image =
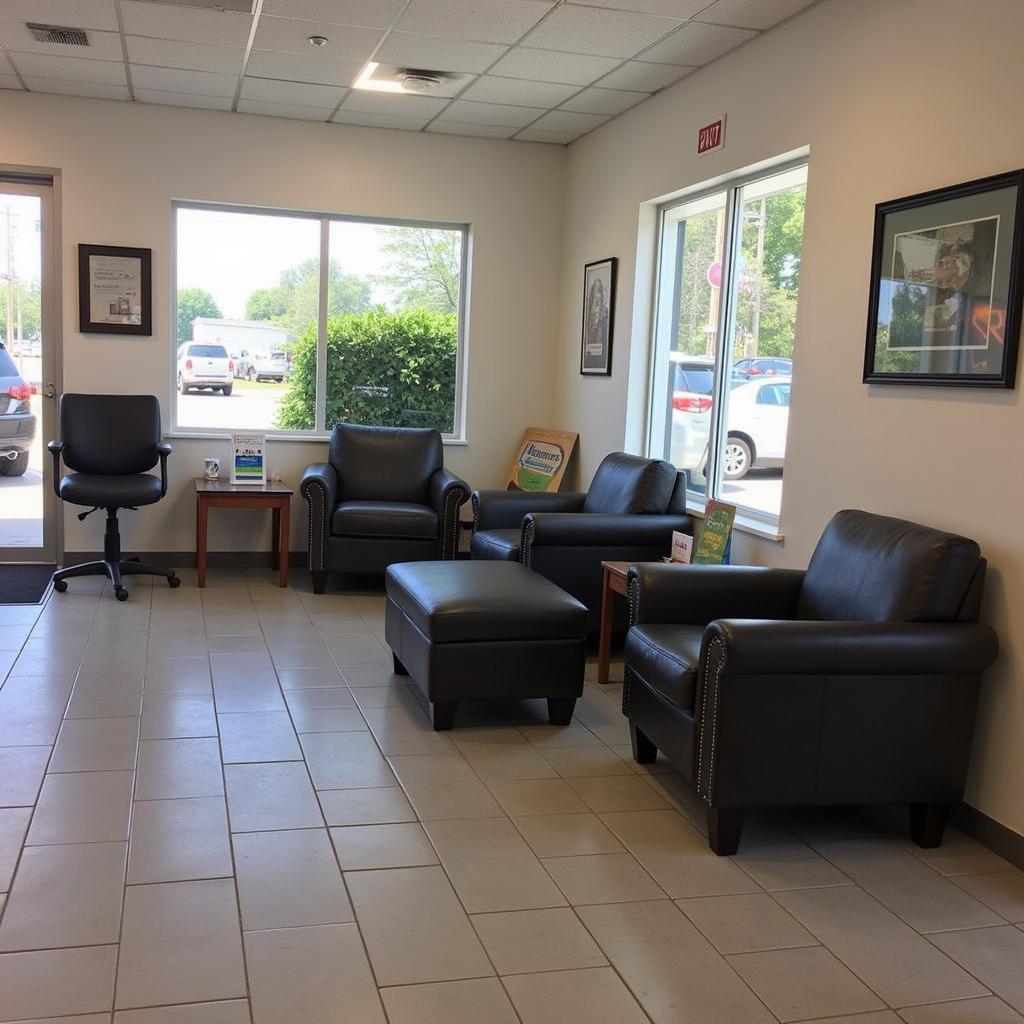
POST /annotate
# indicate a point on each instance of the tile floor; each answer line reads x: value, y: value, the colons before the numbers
x: 220, y: 807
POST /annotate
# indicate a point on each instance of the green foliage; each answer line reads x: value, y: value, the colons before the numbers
x: 192, y: 303
x: 383, y: 369
x: 26, y: 297
x: 424, y: 271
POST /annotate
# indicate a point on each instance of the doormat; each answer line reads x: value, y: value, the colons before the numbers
x: 24, y: 584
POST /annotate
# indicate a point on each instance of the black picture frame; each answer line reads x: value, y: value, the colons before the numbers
x: 596, y: 337
x: 141, y: 278
x: 991, y: 259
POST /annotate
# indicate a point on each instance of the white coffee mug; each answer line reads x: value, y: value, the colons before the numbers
x: 211, y: 468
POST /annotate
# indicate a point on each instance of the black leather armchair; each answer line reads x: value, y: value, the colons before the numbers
x: 628, y: 515
x: 384, y: 496
x: 853, y: 682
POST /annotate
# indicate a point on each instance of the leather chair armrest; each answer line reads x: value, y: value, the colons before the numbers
x: 761, y: 647
x: 697, y: 594
x: 598, y: 529
x: 504, y: 510
x: 56, y: 448
x: 448, y: 493
x: 319, y: 486
x: 163, y: 449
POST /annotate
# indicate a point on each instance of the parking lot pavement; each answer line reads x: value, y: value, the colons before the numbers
x: 760, y: 489
x: 21, y: 498
x: 248, y: 407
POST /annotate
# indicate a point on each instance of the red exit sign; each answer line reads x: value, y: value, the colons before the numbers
x: 711, y: 136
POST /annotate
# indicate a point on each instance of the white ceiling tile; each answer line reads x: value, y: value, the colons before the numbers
x: 43, y: 65
x: 568, y: 121
x: 292, y: 67
x: 169, y: 53
x: 368, y: 13
x: 63, y: 87
x: 395, y: 104
x: 451, y: 84
x: 548, y: 66
x: 412, y: 51
x: 183, y: 99
x: 538, y: 135
x: 298, y: 94
x: 682, y: 9
x: 292, y: 110
x: 642, y: 77
x: 518, y: 91
x: 696, y: 44
x: 752, y: 13
x: 363, y: 119
x: 489, y: 21
x: 480, y: 131
x: 288, y: 36
x: 597, y: 31
x: 9, y: 82
x: 469, y: 112
x: 102, y: 45
x: 604, y: 101
x: 75, y: 13
x: 171, y: 21
x: 202, y: 83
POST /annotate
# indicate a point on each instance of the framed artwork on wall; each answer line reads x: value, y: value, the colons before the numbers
x: 598, y: 317
x: 946, y: 286
x: 115, y: 290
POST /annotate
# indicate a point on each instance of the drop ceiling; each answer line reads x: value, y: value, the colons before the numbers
x: 533, y: 70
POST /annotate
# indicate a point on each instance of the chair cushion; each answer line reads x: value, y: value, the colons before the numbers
x: 384, y: 519
x: 667, y: 657
x: 385, y: 463
x: 627, y: 484
x: 873, y: 568
x: 500, y: 545
x: 453, y: 602
x: 110, y: 491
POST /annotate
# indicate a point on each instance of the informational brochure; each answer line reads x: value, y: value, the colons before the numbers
x: 541, y: 460
x: 715, y: 537
x: 249, y: 459
x: 682, y: 547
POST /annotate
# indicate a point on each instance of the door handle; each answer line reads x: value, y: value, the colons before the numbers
x: 49, y: 391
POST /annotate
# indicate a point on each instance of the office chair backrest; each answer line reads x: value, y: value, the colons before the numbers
x: 110, y: 434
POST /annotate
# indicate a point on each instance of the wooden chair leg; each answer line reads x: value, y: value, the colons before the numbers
x: 928, y: 823
x: 644, y: 751
x: 725, y: 826
x: 319, y: 581
x: 443, y: 712
x: 560, y: 710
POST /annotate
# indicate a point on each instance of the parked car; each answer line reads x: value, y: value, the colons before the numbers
x: 763, y: 366
x: 758, y: 421
x: 693, y: 384
x: 17, y: 421
x: 203, y: 365
x: 261, y: 366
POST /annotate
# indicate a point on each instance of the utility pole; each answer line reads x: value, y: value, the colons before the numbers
x: 8, y: 236
x: 755, y: 326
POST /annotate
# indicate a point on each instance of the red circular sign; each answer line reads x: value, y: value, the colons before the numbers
x: 715, y: 275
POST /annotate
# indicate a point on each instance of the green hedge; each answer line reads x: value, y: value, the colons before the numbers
x: 383, y: 369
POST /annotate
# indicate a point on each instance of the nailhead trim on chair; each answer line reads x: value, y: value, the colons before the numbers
x: 453, y: 501
x: 476, y: 511
x: 714, y: 663
x: 317, y: 519
x: 526, y: 542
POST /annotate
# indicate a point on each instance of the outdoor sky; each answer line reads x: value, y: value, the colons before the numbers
x: 26, y: 212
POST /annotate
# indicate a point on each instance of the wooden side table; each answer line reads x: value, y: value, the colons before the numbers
x: 222, y: 494
x: 615, y: 574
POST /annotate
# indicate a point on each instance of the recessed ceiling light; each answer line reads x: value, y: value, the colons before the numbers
x: 318, y: 40
x: 365, y: 80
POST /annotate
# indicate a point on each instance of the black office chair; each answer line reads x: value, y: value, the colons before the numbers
x: 109, y: 442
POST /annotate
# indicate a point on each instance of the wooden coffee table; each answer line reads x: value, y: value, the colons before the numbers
x: 222, y: 494
x: 615, y: 574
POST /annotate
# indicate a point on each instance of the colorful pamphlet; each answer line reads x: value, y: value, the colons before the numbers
x: 541, y: 460
x: 715, y: 537
x: 249, y: 459
x: 682, y: 547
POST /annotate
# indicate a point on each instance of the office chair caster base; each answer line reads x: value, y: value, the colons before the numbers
x: 121, y: 593
x: 173, y: 581
x: 60, y: 586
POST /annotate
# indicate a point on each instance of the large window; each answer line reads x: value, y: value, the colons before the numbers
x: 293, y: 322
x: 729, y: 276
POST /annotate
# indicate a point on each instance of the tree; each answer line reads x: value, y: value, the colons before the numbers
x: 192, y: 303
x: 28, y: 302
x: 425, y: 270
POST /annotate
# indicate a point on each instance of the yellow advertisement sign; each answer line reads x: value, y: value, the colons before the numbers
x: 541, y: 460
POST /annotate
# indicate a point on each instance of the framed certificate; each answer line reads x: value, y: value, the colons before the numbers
x: 115, y: 290
x: 249, y: 459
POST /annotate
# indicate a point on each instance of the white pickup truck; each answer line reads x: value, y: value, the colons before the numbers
x: 261, y: 365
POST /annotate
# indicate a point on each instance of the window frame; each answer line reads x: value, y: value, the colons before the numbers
x: 749, y: 519
x: 320, y: 431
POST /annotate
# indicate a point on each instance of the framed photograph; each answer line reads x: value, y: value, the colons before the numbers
x: 115, y: 290
x: 598, y: 317
x: 945, y: 299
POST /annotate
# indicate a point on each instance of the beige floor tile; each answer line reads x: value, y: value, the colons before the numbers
x: 1002, y: 891
x: 301, y: 975
x: 180, y: 943
x: 527, y: 941
x: 278, y: 795
x: 178, y: 675
x: 320, y: 698
x: 986, y: 1010
x: 308, y: 655
x: 745, y: 924
x: 371, y: 675
x: 675, y: 971
x: 307, y: 678
x: 233, y: 644
x: 96, y: 745
x: 993, y: 955
x: 898, y: 964
x: 491, y: 866
x: 585, y: 762
x: 88, y: 1018
x: 230, y: 1011
x: 357, y: 653
x: 361, y: 847
x: 414, y: 927
x: 179, y: 840
x: 878, y: 1017
x: 797, y: 984
x: 541, y: 733
x: 397, y: 738
x: 450, y: 1002
x: 106, y: 697
x: 595, y: 995
x: 30, y: 715
x: 328, y: 720
x: 258, y: 736
x: 235, y: 693
x: 13, y: 825
x: 958, y: 855
x: 618, y: 793
x: 396, y: 694
x: 84, y: 807
x: 907, y: 886
x: 345, y: 760
x: 380, y: 806
x: 178, y: 769
x: 65, y: 896
x: 788, y: 866
x: 443, y: 786
x: 57, y: 982
x: 289, y: 879
x: 604, y: 878
x: 536, y: 796
x: 505, y: 760
x: 21, y: 774
x: 566, y: 835
x: 167, y: 716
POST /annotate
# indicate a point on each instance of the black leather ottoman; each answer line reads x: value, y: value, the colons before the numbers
x: 485, y: 631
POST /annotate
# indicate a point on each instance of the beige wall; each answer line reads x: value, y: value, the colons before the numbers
x: 121, y: 165
x: 893, y: 97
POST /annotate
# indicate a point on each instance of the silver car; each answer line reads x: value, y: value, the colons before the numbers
x: 205, y: 365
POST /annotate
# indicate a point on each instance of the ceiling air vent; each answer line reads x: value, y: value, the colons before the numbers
x: 58, y: 34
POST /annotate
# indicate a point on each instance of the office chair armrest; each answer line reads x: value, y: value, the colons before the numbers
x: 163, y: 450
x: 56, y: 447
